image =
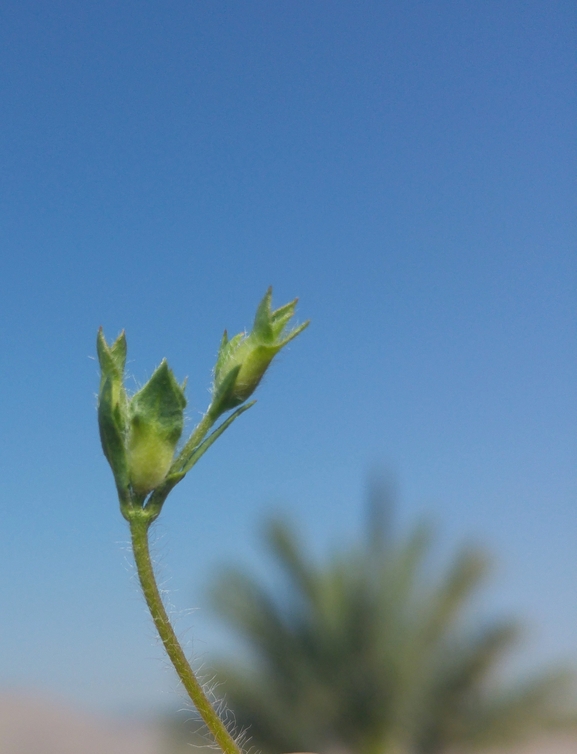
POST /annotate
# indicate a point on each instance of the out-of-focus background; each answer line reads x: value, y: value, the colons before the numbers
x: 382, y: 551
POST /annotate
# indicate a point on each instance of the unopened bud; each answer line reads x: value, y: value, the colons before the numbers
x: 155, y: 424
x: 243, y: 360
x: 112, y: 406
x: 139, y: 435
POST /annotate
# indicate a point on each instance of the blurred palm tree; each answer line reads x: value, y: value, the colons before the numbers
x: 367, y: 654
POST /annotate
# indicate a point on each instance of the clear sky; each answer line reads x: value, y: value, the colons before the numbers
x: 408, y: 170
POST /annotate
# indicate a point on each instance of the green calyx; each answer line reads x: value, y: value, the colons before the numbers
x: 156, y: 421
x: 243, y: 360
x: 139, y: 435
x: 112, y: 407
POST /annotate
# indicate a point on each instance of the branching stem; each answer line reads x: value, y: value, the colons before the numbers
x: 139, y: 526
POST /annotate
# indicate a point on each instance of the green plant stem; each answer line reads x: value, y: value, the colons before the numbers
x: 139, y: 526
x: 195, y: 439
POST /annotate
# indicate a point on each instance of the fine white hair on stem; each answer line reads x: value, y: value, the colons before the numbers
x: 207, y: 680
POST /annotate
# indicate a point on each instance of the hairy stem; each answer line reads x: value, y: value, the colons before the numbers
x: 139, y: 532
x: 195, y: 439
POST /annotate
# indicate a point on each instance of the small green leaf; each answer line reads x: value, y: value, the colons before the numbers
x: 201, y: 449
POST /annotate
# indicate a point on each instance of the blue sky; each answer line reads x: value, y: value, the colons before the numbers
x: 407, y: 170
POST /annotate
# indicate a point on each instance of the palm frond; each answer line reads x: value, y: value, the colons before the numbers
x: 368, y: 654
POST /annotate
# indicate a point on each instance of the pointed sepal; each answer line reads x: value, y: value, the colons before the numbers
x: 251, y: 354
x: 156, y: 420
x: 112, y: 406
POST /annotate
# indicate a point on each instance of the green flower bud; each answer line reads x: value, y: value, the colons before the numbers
x: 112, y: 406
x: 138, y: 435
x: 156, y: 420
x: 243, y: 360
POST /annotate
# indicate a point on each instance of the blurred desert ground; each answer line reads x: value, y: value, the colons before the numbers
x: 31, y: 723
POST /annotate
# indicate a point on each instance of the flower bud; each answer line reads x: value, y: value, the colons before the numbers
x: 112, y: 406
x: 243, y: 360
x: 156, y: 420
x: 138, y: 435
